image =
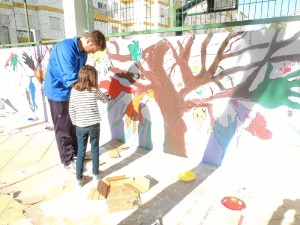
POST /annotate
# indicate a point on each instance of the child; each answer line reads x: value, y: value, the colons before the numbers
x: 85, y: 116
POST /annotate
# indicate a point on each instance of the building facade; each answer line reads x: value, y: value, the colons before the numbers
x: 45, y: 18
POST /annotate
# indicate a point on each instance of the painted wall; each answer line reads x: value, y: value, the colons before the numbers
x: 206, y: 96
x: 22, y: 72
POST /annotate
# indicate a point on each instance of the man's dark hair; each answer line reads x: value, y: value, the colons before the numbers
x: 98, y: 38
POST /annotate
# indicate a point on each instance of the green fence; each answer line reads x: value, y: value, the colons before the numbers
x: 24, y: 22
x: 201, y: 16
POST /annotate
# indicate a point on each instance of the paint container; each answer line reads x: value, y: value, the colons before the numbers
x: 33, y: 119
x: 235, y: 204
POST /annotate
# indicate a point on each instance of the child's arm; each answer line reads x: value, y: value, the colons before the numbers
x: 100, y: 96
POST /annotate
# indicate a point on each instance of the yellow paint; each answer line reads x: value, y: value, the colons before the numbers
x: 128, y: 24
x: 148, y: 24
x: 196, y: 66
x: 50, y: 9
x: 187, y: 176
x: 31, y: 7
x: 150, y: 93
x: 163, y: 3
x: 132, y: 110
x: 127, y: 1
x: 40, y: 74
x: 98, y: 56
x: 149, y: 1
x: 5, y: 6
x: 199, y: 114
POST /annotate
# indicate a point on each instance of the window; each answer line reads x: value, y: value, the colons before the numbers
x: 23, y: 21
x: 54, y: 23
x: 221, y: 5
x: 115, y: 6
x: 101, y: 5
x: 5, y: 20
x: 5, y: 35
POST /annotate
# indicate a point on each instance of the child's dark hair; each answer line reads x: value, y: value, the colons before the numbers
x: 87, y: 78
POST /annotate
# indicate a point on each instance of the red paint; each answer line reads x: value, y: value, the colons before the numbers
x: 233, y: 203
x: 114, y: 88
x: 258, y: 127
x: 234, y: 102
x: 287, y: 68
x: 8, y: 60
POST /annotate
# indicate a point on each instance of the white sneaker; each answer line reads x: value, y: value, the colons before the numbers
x: 80, y: 182
x: 71, y: 167
x: 95, y: 178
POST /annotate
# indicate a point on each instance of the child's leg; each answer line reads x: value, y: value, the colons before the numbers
x: 82, y: 139
x: 94, y: 140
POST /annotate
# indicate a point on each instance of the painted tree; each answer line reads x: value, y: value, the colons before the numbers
x: 269, y: 93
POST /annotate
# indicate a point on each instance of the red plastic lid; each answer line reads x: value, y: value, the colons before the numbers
x: 233, y: 203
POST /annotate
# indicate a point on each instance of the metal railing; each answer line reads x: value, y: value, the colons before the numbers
x: 199, y: 15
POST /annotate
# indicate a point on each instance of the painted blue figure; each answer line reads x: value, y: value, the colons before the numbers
x: 32, y: 90
x: 219, y: 140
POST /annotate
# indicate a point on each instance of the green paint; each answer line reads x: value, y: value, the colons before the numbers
x: 117, y: 123
x: 273, y: 93
x: 14, y: 62
x: 135, y: 50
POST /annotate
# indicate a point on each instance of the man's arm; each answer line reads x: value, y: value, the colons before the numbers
x: 67, y: 64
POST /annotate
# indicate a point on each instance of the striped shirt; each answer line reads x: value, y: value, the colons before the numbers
x: 83, y: 107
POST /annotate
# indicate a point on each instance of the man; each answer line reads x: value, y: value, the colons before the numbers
x: 66, y: 58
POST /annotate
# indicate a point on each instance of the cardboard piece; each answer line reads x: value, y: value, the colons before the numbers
x: 120, y: 192
x: 113, y: 153
x: 98, y: 193
x: 109, y: 179
x: 140, y: 184
x: 119, y: 145
x: 102, y: 189
x: 121, y: 197
x: 121, y: 182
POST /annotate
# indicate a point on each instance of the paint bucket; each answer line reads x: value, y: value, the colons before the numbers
x: 235, y: 204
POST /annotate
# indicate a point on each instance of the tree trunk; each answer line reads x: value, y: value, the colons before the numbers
x: 174, y: 137
x: 169, y: 103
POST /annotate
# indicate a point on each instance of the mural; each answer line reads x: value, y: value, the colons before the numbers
x: 22, y: 75
x: 203, y: 95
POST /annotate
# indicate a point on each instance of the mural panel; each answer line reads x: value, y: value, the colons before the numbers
x: 22, y: 74
x: 205, y: 96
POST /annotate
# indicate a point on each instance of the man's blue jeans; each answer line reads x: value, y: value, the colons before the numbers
x: 83, y: 133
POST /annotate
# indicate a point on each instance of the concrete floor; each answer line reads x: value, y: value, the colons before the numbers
x: 36, y: 189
